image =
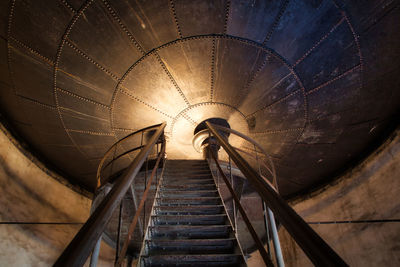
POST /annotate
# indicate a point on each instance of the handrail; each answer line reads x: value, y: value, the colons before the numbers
x: 265, y: 165
x: 132, y: 226
x: 84, y: 241
x: 108, y: 152
x: 120, y: 156
x: 253, y: 232
x: 256, y: 144
x: 319, y: 252
x: 253, y: 142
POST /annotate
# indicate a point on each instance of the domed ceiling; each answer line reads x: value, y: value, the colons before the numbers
x: 314, y: 82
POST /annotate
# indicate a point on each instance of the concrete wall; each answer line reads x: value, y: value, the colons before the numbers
x: 28, y: 194
x: 370, y: 191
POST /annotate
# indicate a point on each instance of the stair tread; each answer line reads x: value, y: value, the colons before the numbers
x: 184, y: 215
x: 189, y: 197
x: 195, y: 182
x: 184, y: 194
x: 188, y: 187
x: 189, y: 179
x: 190, y: 226
x: 190, y: 206
x: 182, y: 209
x: 191, y: 191
x: 210, y: 219
x: 195, y: 255
x: 195, y: 259
x: 189, y: 182
x: 190, y: 253
x: 199, y: 240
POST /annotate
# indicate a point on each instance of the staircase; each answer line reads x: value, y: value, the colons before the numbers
x: 189, y: 225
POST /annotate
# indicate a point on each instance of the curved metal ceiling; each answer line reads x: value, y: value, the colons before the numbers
x: 314, y: 82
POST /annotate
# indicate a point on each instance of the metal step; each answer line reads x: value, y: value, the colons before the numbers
x: 183, y: 164
x: 188, y: 182
x: 190, y: 231
x: 189, y: 219
x: 189, y: 225
x: 193, y: 260
x: 188, y: 193
x: 188, y: 187
x: 183, y: 179
x: 189, y: 210
x: 190, y: 246
x: 189, y: 172
x: 180, y: 201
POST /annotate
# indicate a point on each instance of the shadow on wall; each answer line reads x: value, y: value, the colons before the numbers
x: 52, y: 213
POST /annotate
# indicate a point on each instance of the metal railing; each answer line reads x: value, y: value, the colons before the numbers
x: 112, y: 151
x: 317, y: 250
x: 90, y: 234
x: 259, y: 244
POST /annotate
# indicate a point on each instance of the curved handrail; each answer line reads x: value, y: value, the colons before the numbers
x: 121, y: 155
x: 109, y: 151
x: 273, y: 184
x: 251, y: 155
x: 252, y: 141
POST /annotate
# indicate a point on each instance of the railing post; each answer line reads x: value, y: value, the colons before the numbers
x: 265, y: 214
x: 233, y: 201
x: 275, y: 241
x: 269, y: 218
x: 119, y: 230
x: 83, y: 243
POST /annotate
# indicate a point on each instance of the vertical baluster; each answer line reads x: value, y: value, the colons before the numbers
x: 145, y: 187
x: 266, y: 223
x: 265, y: 213
x: 119, y: 231
x: 270, y: 219
x: 276, y: 242
x: 156, y: 169
x: 233, y: 201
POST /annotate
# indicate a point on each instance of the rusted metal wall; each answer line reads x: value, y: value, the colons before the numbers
x: 315, y: 82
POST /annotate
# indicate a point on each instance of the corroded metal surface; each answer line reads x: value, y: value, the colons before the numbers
x: 314, y: 82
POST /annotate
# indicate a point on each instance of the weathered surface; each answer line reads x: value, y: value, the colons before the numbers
x: 312, y: 81
x: 368, y: 192
x: 27, y: 194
